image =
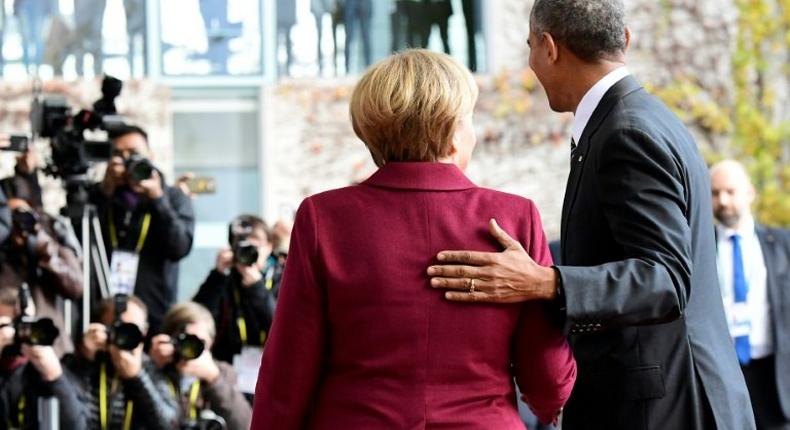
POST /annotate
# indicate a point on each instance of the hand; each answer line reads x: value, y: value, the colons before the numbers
x: 224, y: 260
x: 94, y: 340
x: 6, y: 333
x: 114, y: 176
x: 46, y: 247
x: 162, y: 350
x: 182, y: 184
x: 26, y: 162
x: 151, y: 187
x: 250, y: 275
x: 510, y: 276
x: 44, y: 359
x: 203, y: 368
x: 128, y: 364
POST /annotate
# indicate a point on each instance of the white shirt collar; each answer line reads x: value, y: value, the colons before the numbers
x: 747, y: 228
x: 591, y: 99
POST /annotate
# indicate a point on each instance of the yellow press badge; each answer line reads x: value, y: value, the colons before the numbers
x: 123, y: 272
x: 246, y: 365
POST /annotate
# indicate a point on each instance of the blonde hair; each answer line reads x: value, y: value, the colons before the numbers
x: 182, y: 314
x: 407, y: 107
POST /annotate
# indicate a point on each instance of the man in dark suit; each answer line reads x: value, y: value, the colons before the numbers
x: 754, y: 275
x: 637, y: 285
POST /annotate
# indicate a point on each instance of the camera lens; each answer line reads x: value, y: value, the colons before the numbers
x: 126, y: 336
x: 139, y: 168
x: 245, y: 254
x: 188, y: 346
x: 24, y: 220
x: 40, y: 332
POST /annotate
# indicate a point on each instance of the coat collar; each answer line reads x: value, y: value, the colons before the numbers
x: 420, y: 176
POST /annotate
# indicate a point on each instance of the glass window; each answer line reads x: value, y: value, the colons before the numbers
x: 210, y: 37
x: 338, y: 37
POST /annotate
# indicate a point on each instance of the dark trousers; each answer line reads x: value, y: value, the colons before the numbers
x: 760, y: 378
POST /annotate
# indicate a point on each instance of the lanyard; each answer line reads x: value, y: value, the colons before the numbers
x: 143, y: 231
x: 194, y: 392
x: 103, y: 399
x: 20, y: 412
x: 240, y: 320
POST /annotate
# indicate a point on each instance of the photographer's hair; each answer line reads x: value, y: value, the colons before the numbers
x: 9, y: 296
x: 407, y: 107
x: 107, y: 307
x: 591, y: 29
x: 183, y: 314
x: 250, y: 222
x: 128, y: 129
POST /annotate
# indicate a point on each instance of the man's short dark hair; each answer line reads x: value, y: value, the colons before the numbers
x: 128, y: 129
x: 247, y: 222
x: 590, y: 29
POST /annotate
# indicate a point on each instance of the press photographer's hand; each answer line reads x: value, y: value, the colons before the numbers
x: 94, y: 340
x: 151, y: 187
x: 162, y: 350
x: 127, y: 363
x: 224, y: 260
x: 114, y: 176
x: 45, y: 360
x: 6, y: 332
x: 203, y: 367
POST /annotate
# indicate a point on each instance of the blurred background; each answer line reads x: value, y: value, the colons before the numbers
x: 254, y: 93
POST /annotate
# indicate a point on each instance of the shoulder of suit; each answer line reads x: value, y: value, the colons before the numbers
x: 774, y: 234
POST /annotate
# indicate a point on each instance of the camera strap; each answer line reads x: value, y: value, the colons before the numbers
x: 104, y: 399
x: 194, y: 391
x: 242, y: 323
x: 144, y: 228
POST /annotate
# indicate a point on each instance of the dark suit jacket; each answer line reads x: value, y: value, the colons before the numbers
x: 775, y: 244
x: 642, y: 301
x: 361, y: 341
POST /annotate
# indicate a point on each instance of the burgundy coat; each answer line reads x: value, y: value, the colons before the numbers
x: 361, y: 341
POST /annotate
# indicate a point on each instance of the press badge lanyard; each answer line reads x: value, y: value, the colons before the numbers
x: 268, y: 282
x: 20, y: 412
x: 143, y: 232
x: 103, y: 400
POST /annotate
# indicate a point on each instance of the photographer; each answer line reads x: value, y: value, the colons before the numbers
x: 32, y: 254
x: 121, y: 387
x: 30, y: 372
x: 203, y: 384
x: 241, y: 291
x: 147, y: 225
x: 24, y: 183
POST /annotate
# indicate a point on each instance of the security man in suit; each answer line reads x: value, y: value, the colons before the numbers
x: 754, y: 275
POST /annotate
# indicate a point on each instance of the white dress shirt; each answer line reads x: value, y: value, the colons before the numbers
x: 591, y: 99
x: 761, y: 333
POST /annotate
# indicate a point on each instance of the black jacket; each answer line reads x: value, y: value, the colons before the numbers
x: 169, y: 239
x: 26, y: 382
x: 639, y: 277
x: 154, y: 403
x: 257, y: 308
x: 775, y: 244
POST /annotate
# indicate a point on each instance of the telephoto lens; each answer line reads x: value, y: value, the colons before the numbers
x: 187, y: 346
x: 245, y: 253
x: 35, y: 332
x: 138, y: 168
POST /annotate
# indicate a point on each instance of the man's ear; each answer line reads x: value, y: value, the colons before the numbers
x: 552, y: 50
x: 627, y: 38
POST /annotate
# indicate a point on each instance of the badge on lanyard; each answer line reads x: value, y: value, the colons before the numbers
x: 738, y: 319
x: 124, y: 264
x: 246, y: 365
x: 123, y: 272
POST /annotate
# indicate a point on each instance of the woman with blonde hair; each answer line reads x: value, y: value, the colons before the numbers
x: 360, y: 340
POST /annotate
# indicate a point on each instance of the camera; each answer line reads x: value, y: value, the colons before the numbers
x: 207, y: 420
x: 24, y: 220
x: 126, y: 336
x: 72, y: 153
x: 31, y: 330
x: 187, y: 346
x: 245, y: 253
x: 138, y: 168
x: 16, y: 143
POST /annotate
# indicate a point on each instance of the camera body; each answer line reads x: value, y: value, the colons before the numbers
x: 138, y: 168
x: 24, y: 220
x: 187, y: 346
x: 244, y: 251
x: 32, y: 331
x: 207, y: 420
x: 126, y: 336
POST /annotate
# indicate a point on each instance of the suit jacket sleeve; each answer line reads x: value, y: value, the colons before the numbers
x: 545, y: 369
x: 643, y: 193
x: 294, y: 354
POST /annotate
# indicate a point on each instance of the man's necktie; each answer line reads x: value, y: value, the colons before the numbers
x: 741, y: 288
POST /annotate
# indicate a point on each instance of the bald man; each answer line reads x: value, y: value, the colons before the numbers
x: 754, y: 275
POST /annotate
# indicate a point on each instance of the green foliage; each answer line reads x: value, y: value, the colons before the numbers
x: 747, y: 123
